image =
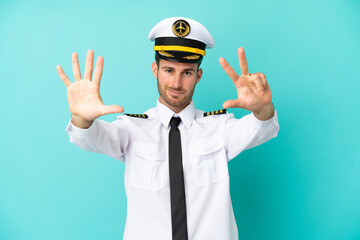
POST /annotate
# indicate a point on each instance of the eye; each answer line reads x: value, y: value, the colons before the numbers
x: 168, y: 70
x: 187, y: 73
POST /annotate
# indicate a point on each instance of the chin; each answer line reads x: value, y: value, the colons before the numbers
x: 176, y: 102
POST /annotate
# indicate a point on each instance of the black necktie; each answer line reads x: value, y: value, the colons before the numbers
x: 177, y: 189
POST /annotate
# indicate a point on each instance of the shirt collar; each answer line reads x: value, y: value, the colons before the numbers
x: 165, y: 114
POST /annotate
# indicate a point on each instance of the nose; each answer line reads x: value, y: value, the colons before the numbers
x: 176, y: 81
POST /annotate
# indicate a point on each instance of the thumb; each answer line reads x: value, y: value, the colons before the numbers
x: 231, y: 104
x: 108, y: 109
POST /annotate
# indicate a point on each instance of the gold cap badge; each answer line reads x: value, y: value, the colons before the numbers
x: 181, y: 28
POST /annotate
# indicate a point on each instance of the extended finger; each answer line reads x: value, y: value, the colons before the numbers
x: 229, y: 70
x: 231, y: 104
x: 89, y: 65
x: 76, y: 68
x: 243, y: 62
x: 108, y: 109
x: 256, y: 79
x: 98, y: 70
x: 63, y: 76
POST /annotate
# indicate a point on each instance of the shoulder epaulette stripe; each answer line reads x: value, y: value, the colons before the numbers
x: 137, y: 115
x: 217, y: 112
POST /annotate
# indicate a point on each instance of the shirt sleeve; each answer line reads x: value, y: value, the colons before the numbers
x: 101, y: 137
x: 247, y: 132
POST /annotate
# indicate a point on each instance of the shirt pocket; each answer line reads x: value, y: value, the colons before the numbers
x: 147, y: 166
x: 209, y: 161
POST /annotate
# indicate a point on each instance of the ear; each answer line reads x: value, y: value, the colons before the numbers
x: 199, y: 75
x: 154, y: 68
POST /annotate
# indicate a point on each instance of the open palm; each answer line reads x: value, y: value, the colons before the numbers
x: 84, y: 94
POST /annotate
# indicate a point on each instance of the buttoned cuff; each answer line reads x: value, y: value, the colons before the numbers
x: 76, y: 132
x: 258, y: 124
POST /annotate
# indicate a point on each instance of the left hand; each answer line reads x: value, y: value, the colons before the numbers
x: 253, y: 90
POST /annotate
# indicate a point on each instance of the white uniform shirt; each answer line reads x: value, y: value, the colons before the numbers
x: 207, y: 143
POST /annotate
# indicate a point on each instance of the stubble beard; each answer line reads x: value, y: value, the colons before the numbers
x: 177, y: 102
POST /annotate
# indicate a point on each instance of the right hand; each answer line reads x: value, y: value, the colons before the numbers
x: 83, y: 95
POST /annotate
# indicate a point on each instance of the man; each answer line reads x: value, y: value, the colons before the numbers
x: 176, y: 157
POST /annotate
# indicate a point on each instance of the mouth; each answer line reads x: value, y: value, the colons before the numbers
x: 175, y: 93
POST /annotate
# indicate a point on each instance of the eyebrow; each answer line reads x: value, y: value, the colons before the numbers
x: 184, y: 70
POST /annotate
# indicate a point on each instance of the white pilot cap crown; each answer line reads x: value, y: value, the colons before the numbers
x: 181, y: 39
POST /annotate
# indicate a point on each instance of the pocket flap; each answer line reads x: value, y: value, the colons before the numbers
x: 205, y: 147
x: 149, y: 151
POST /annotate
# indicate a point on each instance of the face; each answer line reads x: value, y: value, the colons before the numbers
x: 176, y: 82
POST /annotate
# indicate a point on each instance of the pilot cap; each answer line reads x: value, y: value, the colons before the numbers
x: 180, y: 39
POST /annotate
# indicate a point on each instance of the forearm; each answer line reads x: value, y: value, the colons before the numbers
x: 101, y: 137
x: 267, y: 130
x: 248, y: 132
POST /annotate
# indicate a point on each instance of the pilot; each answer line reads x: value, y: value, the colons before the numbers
x: 176, y: 156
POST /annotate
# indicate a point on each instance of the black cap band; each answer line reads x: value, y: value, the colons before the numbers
x: 177, y: 56
x: 169, y: 41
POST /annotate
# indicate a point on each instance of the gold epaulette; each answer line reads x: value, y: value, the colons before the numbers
x: 137, y: 115
x: 217, y: 112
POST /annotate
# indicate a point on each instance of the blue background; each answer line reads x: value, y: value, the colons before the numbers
x: 304, y: 184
